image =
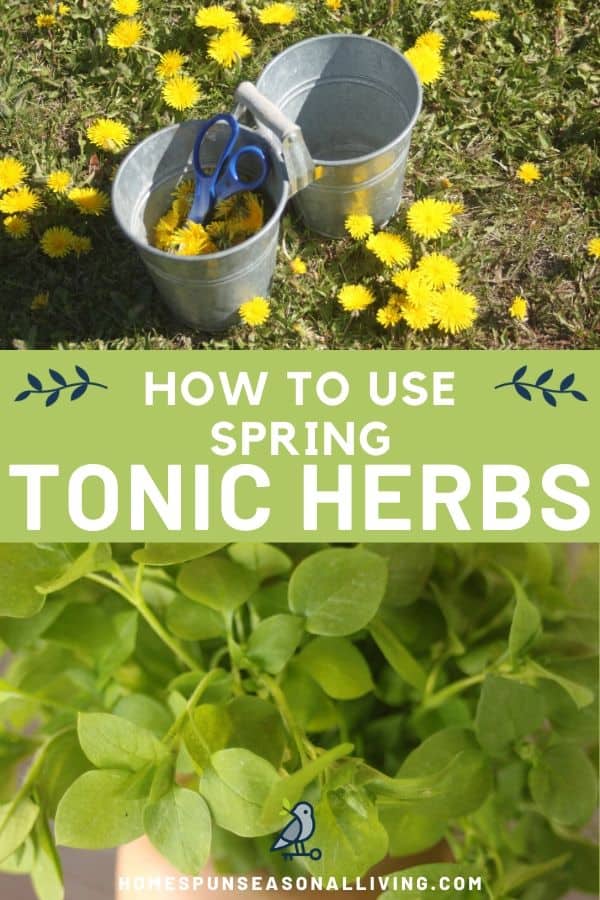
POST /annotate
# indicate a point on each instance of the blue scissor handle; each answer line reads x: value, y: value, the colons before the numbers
x: 230, y: 182
x: 224, y: 180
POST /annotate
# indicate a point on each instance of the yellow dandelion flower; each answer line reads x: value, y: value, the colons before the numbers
x: 40, y: 301
x: 456, y: 207
x: 181, y: 208
x: 355, y: 297
x: 518, y: 308
x: 255, y: 312
x: 17, y: 226
x: 359, y: 227
x: 57, y: 242
x: 401, y: 279
x: 418, y: 292
x: 298, y: 266
x: 192, y: 240
x: 229, y: 47
x: 333, y: 5
x: 484, y: 15
x: 427, y: 63
x: 125, y: 7
x: 89, y: 200
x: 277, y: 14
x: 109, y: 134
x: 80, y: 244
x: 395, y: 300
x: 164, y: 229
x: 244, y: 215
x: 19, y: 200
x: 216, y: 17
x: 12, y: 173
x: 593, y: 247
x: 63, y: 9
x: 454, y: 310
x: 45, y: 20
x: 125, y: 34
x: 185, y: 190
x: 432, y: 39
x: 181, y: 92
x: 439, y: 271
x: 528, y: 172
x: 170, y: 63
x: 59, y: 181
x: 429, y: 218
x: 389, y: 315
x: 418, y: 317
x: 390, y: 249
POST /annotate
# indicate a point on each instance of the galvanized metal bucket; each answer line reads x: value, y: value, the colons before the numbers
x: 356, y: 101
x: 205, y: 291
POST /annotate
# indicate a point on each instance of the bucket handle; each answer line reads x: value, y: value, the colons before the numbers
x: 298, y: 161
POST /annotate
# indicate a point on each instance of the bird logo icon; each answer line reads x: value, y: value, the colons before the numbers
x: 298, y: 830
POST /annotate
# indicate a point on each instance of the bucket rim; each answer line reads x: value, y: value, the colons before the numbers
x: 338, y: 163
x: 162, y: 254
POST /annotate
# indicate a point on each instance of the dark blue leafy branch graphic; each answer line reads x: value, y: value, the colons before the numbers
x: 77, y: 388
x: 524, y: 388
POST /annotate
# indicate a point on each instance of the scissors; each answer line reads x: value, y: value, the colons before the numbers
x: 225, y: 180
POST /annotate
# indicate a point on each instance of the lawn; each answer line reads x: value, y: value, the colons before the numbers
x: 522, y: 88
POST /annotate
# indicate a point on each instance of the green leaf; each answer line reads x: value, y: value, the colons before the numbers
x: 21, y: 861
x: 94, y: 558
x: 63, y: 762
x: 468, y: 779
x: 102, y: 636
x: 338, y: 591
x: 409, y: 566
x: 257, y: 726
x: 46, y: 874
x: 337, y: 666
x: 274, y: 641
x: 144, y: 711
x: 418, y: 882
x: 103, y: 809
x: 289, y: 790
x: 193, y: 622
x: 179, y: 826
x: 506, y: 712
x: 526, y: 621
x: 17, y: 634
x: 15, y: 824
x: 313, y: 710
x: 397, y: 655
x: 521, y: 874
x: 22, y: 568
x: 349, y: 834
x: 171, y: 554
x: 271, y: 599
x: 265, y: 560
x: 217, y: 582
x: 408, y: 832
x: 584, y: 865
x: 206, y: 730
x: 579, y: 694
x: 236, y: 786
x: 112, y: 742
x: 563, y: 784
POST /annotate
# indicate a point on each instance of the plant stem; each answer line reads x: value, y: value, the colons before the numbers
x: 136, y: 599
x: 458, y: 687
x: 285, y: 713
x: 204, y: 682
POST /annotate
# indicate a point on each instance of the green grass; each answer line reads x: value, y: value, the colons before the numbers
x: 525, y: 88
